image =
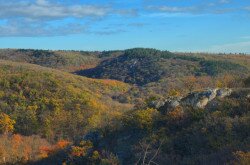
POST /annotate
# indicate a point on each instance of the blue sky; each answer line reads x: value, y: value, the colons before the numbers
x: 175, y: 25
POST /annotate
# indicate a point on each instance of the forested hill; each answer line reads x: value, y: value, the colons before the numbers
x: 55, y: 104
x: 184, y: 108
x: 63, y: 60
x: 142, y: 66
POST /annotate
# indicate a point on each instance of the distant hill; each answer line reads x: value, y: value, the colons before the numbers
x: 63, y: 60
x: 69, y: 61
x: 142, y: 66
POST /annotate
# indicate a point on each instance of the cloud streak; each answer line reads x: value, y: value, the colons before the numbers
x: 42, y: 9
x: 212, y: 7
x: 27, y: 18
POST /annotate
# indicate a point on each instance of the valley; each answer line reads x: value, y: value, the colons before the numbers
x: 134, y: 106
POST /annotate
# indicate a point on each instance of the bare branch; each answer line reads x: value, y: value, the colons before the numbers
x: 145, y: 154
x: 156, y: 153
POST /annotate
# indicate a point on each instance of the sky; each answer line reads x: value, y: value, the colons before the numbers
x: 174, y: 25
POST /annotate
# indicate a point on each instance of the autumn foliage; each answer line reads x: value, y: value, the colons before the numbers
x: 46, y: 151
x: 6, y: 123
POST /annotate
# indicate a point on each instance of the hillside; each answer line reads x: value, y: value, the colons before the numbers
x: 63, y: 60
x: 135, y: 66
x: 182, y: 134
x: 160, y: 108
x: 143, y: 66
x: 69, y: 61
x: 215, y: 134
x: 55, y: 104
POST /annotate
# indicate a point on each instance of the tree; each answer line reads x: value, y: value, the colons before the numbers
x: 141, y: 119
x: 242, y: 158
x: 174, y: 93
x: 190, y: 82
x: 6, y: 123
x: 226, y: 81
x: 247, y: 82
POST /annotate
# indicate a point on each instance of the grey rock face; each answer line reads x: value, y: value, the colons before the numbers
x: 157, y: 104
x: 224, y: 92
x: 200, y: 99
x: 195, y: 99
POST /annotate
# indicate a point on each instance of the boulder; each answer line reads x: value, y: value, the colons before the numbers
x: 196, y: 99
x: 224, y: 92
x: 199, y: 99
x: 202, y: 103
x: 169, y: 103
x: 156, y: 104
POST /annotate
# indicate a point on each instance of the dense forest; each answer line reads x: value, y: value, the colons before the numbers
x: 135, y: 106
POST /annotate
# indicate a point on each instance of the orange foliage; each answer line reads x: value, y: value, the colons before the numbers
x: 27, y: 152
x: 62, y: 144
x: 17, y: 139
x: 45, y: 151
x: 176, y: 114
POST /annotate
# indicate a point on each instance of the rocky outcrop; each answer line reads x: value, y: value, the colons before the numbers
x: 224, y: 92
x: 196, y: 99
x: 199, y: 99
x: 157, y: 104
x: 169, y: 102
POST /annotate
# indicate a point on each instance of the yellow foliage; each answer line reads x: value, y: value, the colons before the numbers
x: 6, y: 123
x: 81, y: 150
x: 174, y: 92
x: 142, y: 119
x: 32, y: 108
x: 242, y: 158
x: 219, y: 84
x: 95, y: 155
x: 1, y: 94
x: 78, y: 151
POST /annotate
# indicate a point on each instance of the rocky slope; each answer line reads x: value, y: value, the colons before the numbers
x: 198, y: 99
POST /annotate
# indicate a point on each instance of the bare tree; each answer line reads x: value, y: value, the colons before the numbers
x: 148, y: 154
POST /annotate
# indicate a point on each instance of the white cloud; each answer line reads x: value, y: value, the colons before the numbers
x: 172, y: 15
x: 214, y: 7
x: 47, y: 10
x: 173, y: 9
x: 14, y: 29
x: 50, y: 18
